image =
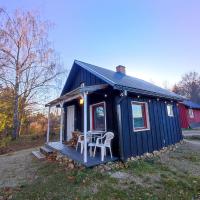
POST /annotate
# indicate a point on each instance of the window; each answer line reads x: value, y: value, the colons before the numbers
x: 170, y: 110
x: 98, y: 117
x: 82, y: 85
x: 191, y: 113
x: 140, y: 116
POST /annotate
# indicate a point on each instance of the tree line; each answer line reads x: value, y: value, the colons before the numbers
x: 189, y: 86
x: 29, y: 66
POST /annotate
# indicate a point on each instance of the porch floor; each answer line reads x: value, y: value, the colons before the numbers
x: 77, y: 156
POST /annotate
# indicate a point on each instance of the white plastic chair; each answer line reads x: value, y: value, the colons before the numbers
x: 103, y: 143
x: 81, y: 141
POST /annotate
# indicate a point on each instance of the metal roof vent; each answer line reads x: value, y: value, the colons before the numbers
x: 121, y: 69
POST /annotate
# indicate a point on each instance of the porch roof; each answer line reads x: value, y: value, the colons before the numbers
x: 76, y: 93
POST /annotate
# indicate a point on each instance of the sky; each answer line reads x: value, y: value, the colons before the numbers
x: 157, y: 41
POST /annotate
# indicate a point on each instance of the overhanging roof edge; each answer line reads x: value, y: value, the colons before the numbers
x: 76, y: 93
x: 149, y: 93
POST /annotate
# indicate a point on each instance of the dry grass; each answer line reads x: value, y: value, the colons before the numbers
x: 25, y: 142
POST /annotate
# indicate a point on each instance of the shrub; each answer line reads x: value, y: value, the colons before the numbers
x: 4, y: 141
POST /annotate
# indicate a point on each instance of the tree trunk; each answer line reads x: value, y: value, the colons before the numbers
x: 22, y: 114
x: 15, y: 132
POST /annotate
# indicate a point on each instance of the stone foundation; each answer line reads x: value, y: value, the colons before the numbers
x: 120, y: 165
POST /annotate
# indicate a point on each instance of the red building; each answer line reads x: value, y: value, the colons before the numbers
x: 189, y: 114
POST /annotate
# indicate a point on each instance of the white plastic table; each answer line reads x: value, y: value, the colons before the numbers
x: 96, y: 133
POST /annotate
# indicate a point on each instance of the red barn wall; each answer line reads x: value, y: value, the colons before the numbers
x: 196, y: 118
x: 183, y: 116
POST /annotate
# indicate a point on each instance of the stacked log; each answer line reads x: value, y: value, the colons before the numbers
x: 64, y: 160
x: 52, y: 156
x: 74, y: 139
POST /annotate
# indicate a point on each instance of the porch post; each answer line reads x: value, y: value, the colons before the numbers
x: 48, y: 125
x: 61, y: 122
x: 85, y: 126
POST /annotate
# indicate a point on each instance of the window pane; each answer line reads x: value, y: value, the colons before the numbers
x: 138, y: 115
x: 170, y: 110
x: 99, y: 118
x: 191, y: 114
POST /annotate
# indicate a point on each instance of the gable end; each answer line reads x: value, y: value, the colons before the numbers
x: 79, y: 75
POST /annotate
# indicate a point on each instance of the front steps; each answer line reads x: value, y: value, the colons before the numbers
x: 38, y: 155
x: 45, y: 150
x: 42, y: 153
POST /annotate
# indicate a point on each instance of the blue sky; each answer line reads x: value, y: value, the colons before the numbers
x: 156, y: 40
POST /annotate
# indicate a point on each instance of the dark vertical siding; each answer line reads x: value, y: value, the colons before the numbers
x: 164, y: 122
x: 125, y: 128
x: 152, y: 127
x: 157, y: 124
x: 151, y: 137
x: 79, y: 76
x: 164, y: 130
x: 178, y: 124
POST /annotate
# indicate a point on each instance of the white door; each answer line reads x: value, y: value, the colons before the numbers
x: 70, y: 122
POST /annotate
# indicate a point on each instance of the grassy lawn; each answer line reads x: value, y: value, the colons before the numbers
x: 187, y: 129
x: 174, y: 175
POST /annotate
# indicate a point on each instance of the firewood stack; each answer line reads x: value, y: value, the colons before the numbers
x: 74, y: 139
x: 52, y: 156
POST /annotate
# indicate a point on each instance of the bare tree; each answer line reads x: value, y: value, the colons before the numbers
x: 27, y: 61
x: 166, y: 85
x: 189, y: 86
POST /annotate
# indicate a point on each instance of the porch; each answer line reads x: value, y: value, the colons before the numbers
x: 71, y: 153
x: 83, y: 110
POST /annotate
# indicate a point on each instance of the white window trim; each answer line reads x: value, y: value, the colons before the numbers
x: 96, y: 104
x: 82, y: 84
x: 172, y: 115
x: 190, y: 111
x: 147, y: 116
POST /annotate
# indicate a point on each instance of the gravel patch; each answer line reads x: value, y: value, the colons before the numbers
x: 186, y: 158
x: 17, y: 168
x: 120, y: 175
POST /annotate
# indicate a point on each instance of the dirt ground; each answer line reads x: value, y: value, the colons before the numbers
x: 17, y: 168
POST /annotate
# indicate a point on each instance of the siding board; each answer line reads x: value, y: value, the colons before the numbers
x: 157, y: 131
x: 153, y: 127
x: 166, y: 134
x: 80, y: 75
